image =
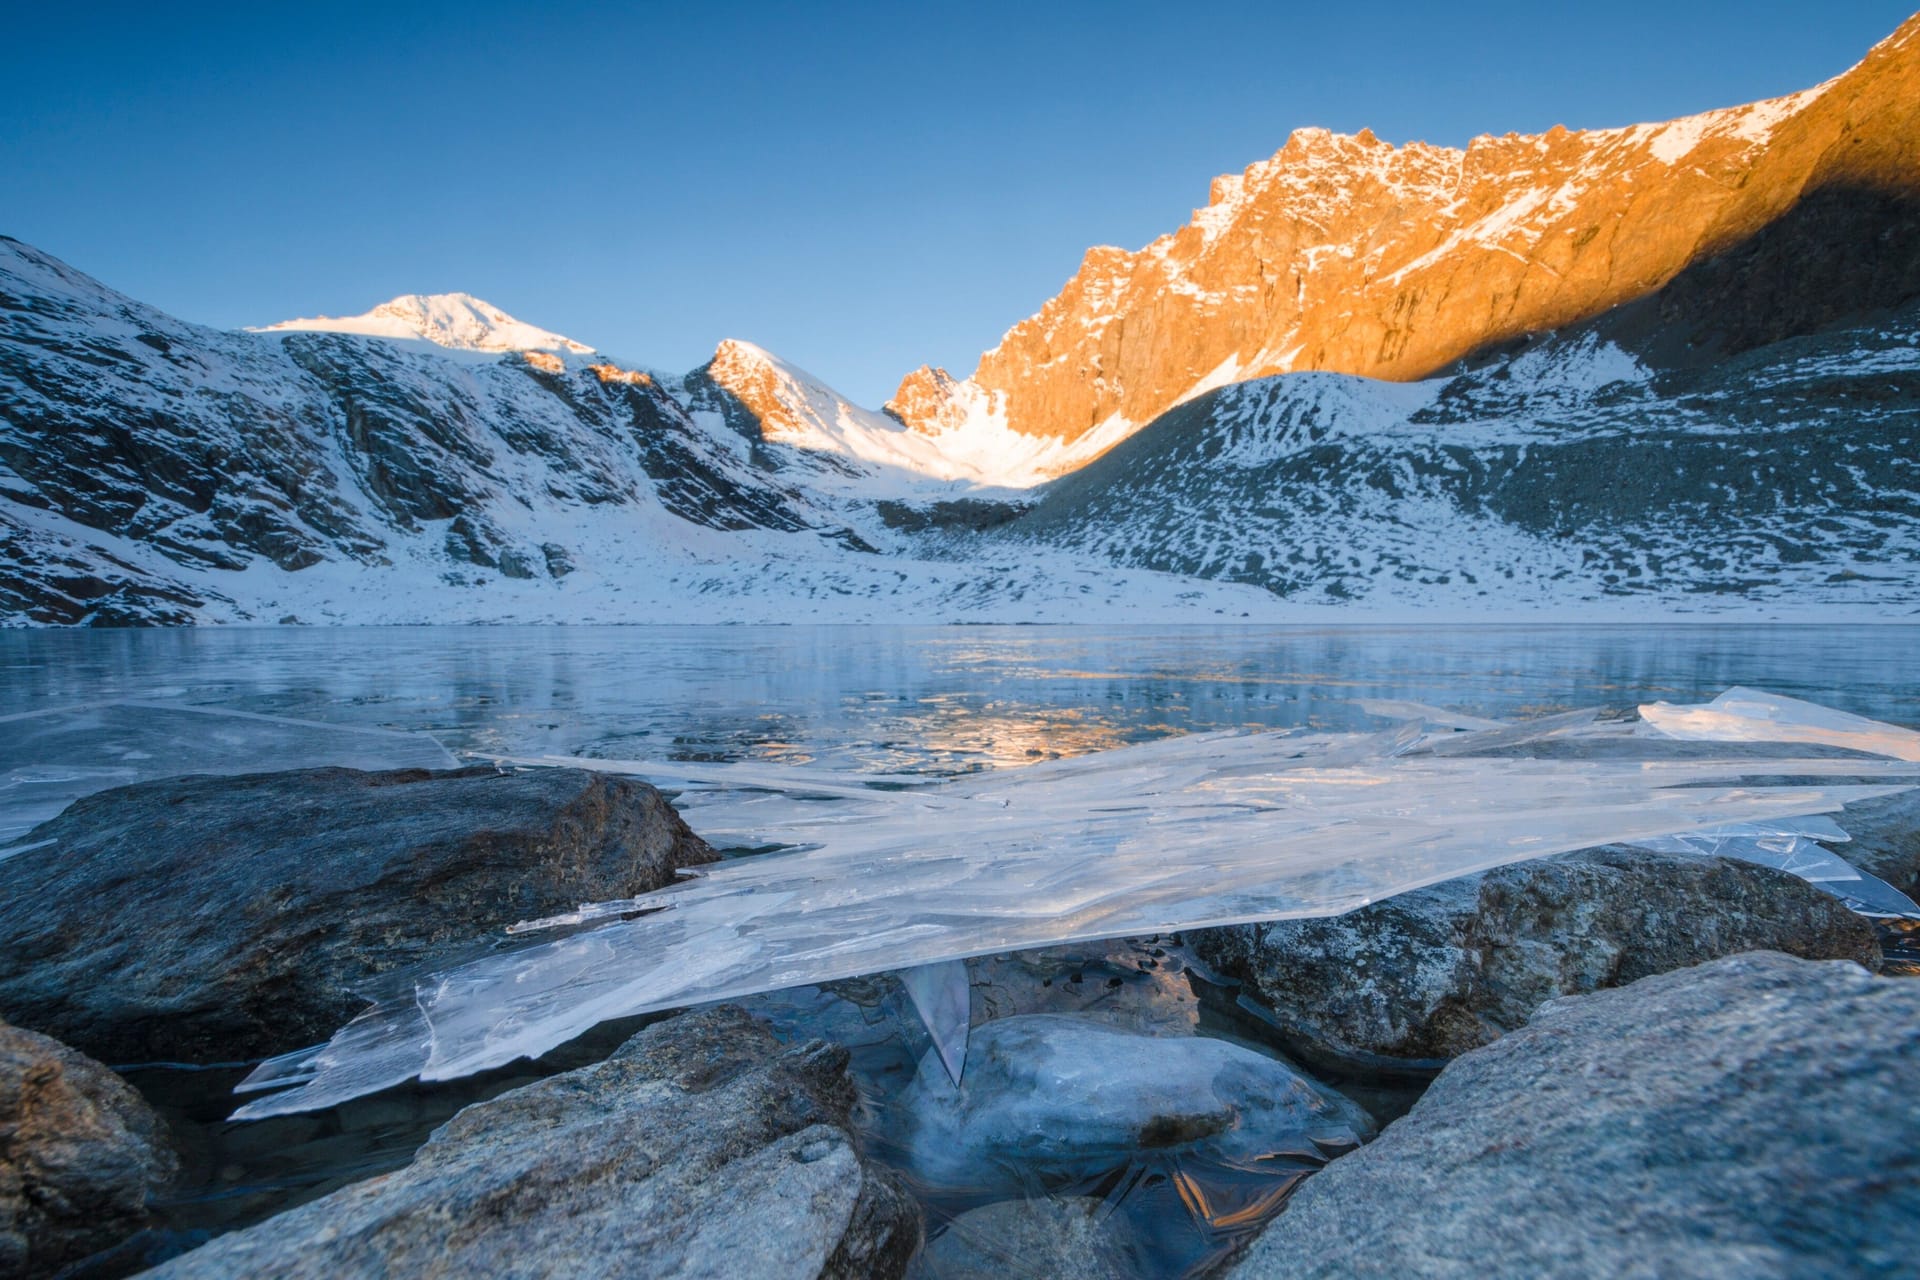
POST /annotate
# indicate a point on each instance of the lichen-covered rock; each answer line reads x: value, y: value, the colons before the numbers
x: 1438, y: 971
x: 702, y: 1148
x: 206, y: 919
x: 1752, y: 1116
x: 80, y: 1153
x: 1050, y: 1096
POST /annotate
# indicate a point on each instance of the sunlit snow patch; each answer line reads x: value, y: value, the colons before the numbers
x: 1210, y: 829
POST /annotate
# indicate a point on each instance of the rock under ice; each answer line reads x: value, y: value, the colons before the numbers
x: 50, y: 758
x: 1210, y: 829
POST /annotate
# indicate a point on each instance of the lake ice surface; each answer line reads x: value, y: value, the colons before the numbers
x: 1224, y: 824
x: 919, y: 704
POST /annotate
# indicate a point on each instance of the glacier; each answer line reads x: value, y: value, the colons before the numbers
x: 893, y: 872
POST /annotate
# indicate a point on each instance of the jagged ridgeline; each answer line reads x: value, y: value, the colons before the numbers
x: 1674, y: 363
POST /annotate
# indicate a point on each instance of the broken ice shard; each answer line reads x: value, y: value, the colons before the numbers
x: 1749, y: 715
x: 1211, y: 829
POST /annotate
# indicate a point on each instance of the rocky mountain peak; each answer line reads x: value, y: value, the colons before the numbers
x: 456, y: 320
x: 1347, y: 254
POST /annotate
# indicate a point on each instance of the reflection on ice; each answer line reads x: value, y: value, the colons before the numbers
x: 1209, y: 829
x: 49, y: 759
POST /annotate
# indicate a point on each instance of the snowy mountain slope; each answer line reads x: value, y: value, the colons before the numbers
x: 1567, y: 475
x: 796, y: 421
x: 458, y: 321
x: 218, y: 450
x: 154, y: 471
x: 860, y: 450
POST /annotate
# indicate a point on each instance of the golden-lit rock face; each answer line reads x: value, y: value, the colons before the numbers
x: 544, y: 361
x: 1348, y: 254
x: 614, y: 373
x: 927, y: 398
x: 762, y: 388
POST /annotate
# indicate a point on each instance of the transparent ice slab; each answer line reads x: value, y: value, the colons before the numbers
x: 49, y: 759
x: 943, y: 997
x: 1210, y: 829
x: 1795, y: 845
x: 1751, y: 715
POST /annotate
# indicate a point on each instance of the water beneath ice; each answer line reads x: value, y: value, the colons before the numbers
x: 907, y: 701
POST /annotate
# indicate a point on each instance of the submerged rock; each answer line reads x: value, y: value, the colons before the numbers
x: 1751, y: 1116
x: 80, y: 1153
x: 1437, y: 971
x: 703, y: 1147
x: 1052, y: 1097
x: 206, y: 919
x: 1057, y: 1239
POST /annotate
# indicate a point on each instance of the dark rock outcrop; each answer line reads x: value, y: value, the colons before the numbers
x: 80, y: 1153
x: 208, y: 919
x: 1438, y: 971
x: 1752, y: 1116
x: 701, y: 1148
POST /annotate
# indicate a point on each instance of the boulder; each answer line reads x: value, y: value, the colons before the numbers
x: 1432, y: 973
x: 1886, y: 839
x: 1058, y: 1239
x: 1055, y: 1098
x: 80, y: 1153
x: 1752, y: 1116
x: 206, y: 919
x: 703, y: 1147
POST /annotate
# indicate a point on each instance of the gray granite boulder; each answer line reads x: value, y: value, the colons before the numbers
x: 1432, y: 973
x: 80, y: 1153
x: 206, y: 919
x: 1886, y: 839
x: 703, y: 1147
x: 1753, y: 1116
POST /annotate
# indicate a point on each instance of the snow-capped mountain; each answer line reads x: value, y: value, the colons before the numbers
x: 458, y: 321
x: 1671, y: 368
x: 1349, y: 255
x: 155, y: 471
x: 772, y: 400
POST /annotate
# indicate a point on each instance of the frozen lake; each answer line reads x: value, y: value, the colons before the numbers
x: 940, y: 699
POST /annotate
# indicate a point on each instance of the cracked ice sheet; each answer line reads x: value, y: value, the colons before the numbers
x: 1211, y: 829
x: 49, y: 759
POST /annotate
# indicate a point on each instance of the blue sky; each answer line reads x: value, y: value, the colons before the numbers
x: 858, y: 187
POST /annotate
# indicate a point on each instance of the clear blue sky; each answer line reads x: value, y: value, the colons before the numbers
x: 858, y: 187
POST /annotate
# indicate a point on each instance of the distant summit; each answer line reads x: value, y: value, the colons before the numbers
x: 457, y: 320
